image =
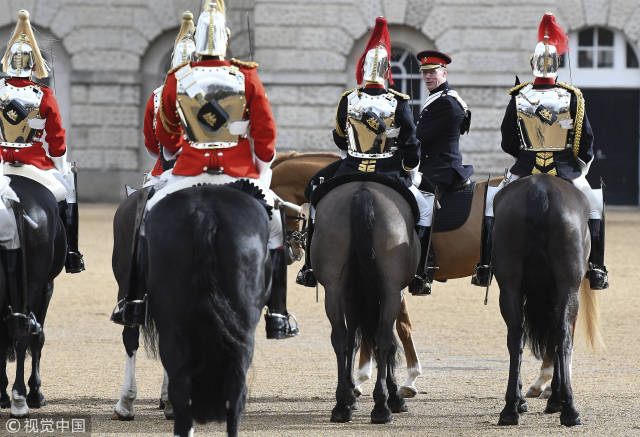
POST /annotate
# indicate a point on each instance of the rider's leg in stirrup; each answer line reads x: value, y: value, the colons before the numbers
x: 305, y: 276
x: 597, y: 273
x: 421, y: 283
x: 278, y: 319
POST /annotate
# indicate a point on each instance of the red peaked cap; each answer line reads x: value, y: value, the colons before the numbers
x: 379, y: 35
x: 557, y: 37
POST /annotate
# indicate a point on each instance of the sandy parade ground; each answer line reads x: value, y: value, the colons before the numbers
x: 461, y: 344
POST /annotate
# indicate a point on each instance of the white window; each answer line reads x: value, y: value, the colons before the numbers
x: 600, y: 57
x: 407, y: 77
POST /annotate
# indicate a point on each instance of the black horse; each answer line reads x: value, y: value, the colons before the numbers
x: 364, y: 252
x: 208, y: 272
x: 540, y: 252
x: 35, y: 266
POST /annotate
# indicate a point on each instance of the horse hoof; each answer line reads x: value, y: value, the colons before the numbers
x: 161, y: 405
x: 357, y: 392
x: 168, y: 410
x: 546, y: 393
x: 354, y: 406
x: 19, y: 407
x: 552, y: 407
x: 507, y: 419
x: 523, y: 407
x: 341, y: 414
x: 36, y: 400
x: 381, y: 415
x: 533, y: 392
x: 5, y: 401
x: 570, y: 419
x: 397, y: 405
x: 407, y: 391
x: 118, y: 416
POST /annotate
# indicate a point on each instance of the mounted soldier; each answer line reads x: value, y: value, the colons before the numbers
x: 443, y: 118
x: 547, y: 130
x: 203, y: 119
x: 375, y: 129
x: 29, y: 115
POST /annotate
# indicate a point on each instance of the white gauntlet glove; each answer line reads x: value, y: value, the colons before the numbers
x: 264, y: 171
x: 416, y: 176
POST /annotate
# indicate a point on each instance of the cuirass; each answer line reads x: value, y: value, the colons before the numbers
x: 371, y: 125
x: 20, y: 119
x: 544, y: 120
x: 211, y: 104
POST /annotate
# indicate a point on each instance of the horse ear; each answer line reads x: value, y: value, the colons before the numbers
x: 517, y: 81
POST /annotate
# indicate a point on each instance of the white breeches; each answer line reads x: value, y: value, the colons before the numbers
x: 596, y: 204
x: 170, y: 183
x: 60, y: 186
x: 425, y: 205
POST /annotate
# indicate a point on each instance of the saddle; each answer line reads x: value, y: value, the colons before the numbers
x: 334, y: 182
x: 252, y: 190
x: 455, y: 207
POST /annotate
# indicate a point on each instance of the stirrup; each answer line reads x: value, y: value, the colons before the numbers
x: 279, y: 326
x: 74, y: 262
x: 419, y: 286
x: 598, y: 279
x: 482, y: 275
x: 306, y: 277
x: 132, y: 313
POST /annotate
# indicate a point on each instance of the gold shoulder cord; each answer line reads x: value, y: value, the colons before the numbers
x: 579, y: 116
x: 399, y: 94
x: 243, y: 64
x: 344, y: 94
x: 518, y: 87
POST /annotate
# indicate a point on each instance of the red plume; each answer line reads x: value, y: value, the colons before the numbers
x: 379, y: 35
x: 557, y: 37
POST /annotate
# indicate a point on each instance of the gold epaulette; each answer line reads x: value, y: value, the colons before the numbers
x: 402, y: 96
x: 347, y: 92
x: 173, y: 70
x: 577, y: 124
x: 517, y: 88
x: 243, y: 64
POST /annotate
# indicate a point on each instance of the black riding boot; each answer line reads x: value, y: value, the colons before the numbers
x: 277, y: 319
x: 18, y: 322
x: 69, y: 214
x: 482, y: 275
x: 597, y: 273
x: 305, y: 275
x: 421, y: 282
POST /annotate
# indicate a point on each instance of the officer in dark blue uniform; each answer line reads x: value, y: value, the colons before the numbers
x: 444, y: 117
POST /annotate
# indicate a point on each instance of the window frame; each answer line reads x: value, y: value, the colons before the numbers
x: 400, y: 81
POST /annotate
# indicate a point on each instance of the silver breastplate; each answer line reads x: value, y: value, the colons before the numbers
x: 544, y: 120
x: 371, y: 126
x: 20, y: 119
x: 211, y: 104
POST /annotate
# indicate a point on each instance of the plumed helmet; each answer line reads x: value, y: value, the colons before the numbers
x: 185, y: 47
x: 374, y: 65
x: 212, y: 33
x: 22, y: 57
x: 552, y: 42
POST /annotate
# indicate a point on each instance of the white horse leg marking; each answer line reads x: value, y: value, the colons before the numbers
x: 409, y: 389
x: 364, y: 374
x: 19, y: 407
x: 124, y: 408
x: 190, y: 433
x: 537, y: 388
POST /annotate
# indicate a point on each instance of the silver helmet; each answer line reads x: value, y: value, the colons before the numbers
x: 545, y: 60
x: 22, y: 57
x: 376, y: 65
x: 184, y: 50
x: 20, y: 60
x: 212, y: 33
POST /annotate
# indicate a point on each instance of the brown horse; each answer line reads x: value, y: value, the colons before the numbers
x: 457, y: 252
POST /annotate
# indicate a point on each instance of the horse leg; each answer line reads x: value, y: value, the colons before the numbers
x: 384, y: 355
x: 5, y: 344
x: 396, y: 401
x: 164, y: 397
x: 365, y: 366
x: 511, y: 309
x: 414, y: 368
x: 537, y: 389
x: 351, y: 356
x: 124, y: 409
x: 234, y: 408
x: 19, y: 407
x: 35, y: 398
x: 569, y: 416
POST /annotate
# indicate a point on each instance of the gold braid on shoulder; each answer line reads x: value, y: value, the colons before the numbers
x: 577, y: 125
x: 517, y: 88
x: 344, y: 94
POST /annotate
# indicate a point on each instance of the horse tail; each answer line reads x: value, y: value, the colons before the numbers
x: 539, y: 290
x: 589, y: 316
x: 363, y: 304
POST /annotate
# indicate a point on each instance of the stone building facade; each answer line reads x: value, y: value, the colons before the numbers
x: 110, y: 54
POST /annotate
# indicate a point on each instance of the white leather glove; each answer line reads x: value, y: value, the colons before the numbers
x: 416, y: 176
x: 264, y: 171
x: 61, y: 164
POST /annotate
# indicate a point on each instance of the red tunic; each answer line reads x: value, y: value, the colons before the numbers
x: 235, y: 161
x: 36, y: 154
x: 150, y: 140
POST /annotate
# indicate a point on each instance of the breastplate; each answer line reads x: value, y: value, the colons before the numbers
x: 19, y: 114
x: 371, y: 127
x: 211, y: 104
x: 544, y: 121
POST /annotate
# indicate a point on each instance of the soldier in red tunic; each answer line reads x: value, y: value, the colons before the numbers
x: 204, y: 117
x: 29, y: 114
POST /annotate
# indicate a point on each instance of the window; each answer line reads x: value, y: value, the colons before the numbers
x: 407, y: 77
x: 595, y: 48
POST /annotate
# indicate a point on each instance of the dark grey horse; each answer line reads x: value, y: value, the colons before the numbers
x: 540, y: 252
x: 364, y: 252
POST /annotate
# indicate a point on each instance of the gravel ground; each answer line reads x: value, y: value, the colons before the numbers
x: 461, y: 344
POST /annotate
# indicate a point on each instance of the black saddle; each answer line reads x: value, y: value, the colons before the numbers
x: 334, y: 182
x: 455, y: 207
